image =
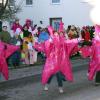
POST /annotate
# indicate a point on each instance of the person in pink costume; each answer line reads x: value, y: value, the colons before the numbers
x: 93, y: 52
x: 28, y: 23
x: 57, y: 50
x: 16, y: 25
x: 5, y: 51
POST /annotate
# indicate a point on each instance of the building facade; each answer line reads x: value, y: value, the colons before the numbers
x: 50, y: 12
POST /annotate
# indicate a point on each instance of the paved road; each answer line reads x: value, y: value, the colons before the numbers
x: 81, y: 89
x: 27, y: 72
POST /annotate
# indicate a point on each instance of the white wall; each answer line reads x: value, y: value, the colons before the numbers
x: 72, y: 11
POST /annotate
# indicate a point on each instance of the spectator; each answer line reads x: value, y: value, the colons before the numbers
x: 28, y: 23
x: 85, y: 34
x: 44, y: 35
x: 16, y: 57
x: 5, y: 35
x: 26, y: 33
x: 16, y: 25
x: 27, y: 46
x: 72, y: 32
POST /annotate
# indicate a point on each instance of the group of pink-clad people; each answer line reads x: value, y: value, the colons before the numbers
x: 58, y: 50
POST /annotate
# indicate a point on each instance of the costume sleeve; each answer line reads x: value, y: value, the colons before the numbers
x: 4, y: 67
x: 48, y: 47
x: 10, y: 49
x: 72, y: 46
x: 39, y: 46
x: 86, y: 51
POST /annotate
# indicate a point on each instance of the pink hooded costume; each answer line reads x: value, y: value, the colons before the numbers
x: 94, y: 52
x: 58, y: 51
x: 29, y: 26
x: 5, y: 51
x: 15, y: 27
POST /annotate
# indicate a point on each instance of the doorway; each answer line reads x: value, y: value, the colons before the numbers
x: 54, y: 22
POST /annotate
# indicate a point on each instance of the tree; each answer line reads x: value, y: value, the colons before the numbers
x: 8, y: 9
x: 3, y: 5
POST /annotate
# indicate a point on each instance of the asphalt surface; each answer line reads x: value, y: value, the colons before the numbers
x: 80, y: 89
x: 33, y: 73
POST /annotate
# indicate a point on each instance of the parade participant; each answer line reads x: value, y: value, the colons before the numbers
x: 5, y: 51
x: 16, y: 25
x: 28, y: 23
x: 59, y: 75
x: 94, y: 52
x: 57, y: 53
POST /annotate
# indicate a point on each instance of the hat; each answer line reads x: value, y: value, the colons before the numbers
x: 28, y: 20
x: 16, y: 19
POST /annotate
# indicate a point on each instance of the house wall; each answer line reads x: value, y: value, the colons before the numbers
x: 72, y: 12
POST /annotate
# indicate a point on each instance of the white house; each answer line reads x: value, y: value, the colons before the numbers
x: 52, y: 11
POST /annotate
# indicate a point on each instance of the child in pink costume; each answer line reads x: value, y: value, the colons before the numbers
x: 57, y: 50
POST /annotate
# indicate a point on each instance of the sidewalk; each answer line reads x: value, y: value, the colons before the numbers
x: 33, y: 73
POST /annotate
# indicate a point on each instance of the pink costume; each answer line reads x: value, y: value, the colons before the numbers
x: 15, y: 27
x: 5, y: 51
x: 29, y: 26
x: 58, y: 51
x: 94, y: 52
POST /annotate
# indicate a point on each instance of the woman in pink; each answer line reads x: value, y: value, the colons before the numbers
x: 28, y: 23
x: 94, y: 52
x: 16, y: 25
x: 57, y: 50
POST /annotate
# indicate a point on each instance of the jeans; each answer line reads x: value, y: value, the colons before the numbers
x: 97, y: 78
x: 59, y: 77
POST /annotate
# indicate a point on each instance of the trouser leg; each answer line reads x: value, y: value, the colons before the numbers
x: 97, y: 78
x: 49, y: 80
x: 59, y: 79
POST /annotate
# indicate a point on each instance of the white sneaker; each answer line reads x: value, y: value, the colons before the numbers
x: 46, y: 87
x: 61, y: 90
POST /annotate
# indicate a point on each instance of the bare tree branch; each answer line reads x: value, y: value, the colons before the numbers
x: 3, y: 7
x: 8, y: 11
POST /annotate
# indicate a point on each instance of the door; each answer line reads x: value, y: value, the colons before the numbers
x: 54, y: 22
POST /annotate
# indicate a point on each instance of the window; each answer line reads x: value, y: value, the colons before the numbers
x: 55, y: 1
x: 29, y: 2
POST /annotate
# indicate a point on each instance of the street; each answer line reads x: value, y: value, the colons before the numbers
x: 81, y: 89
